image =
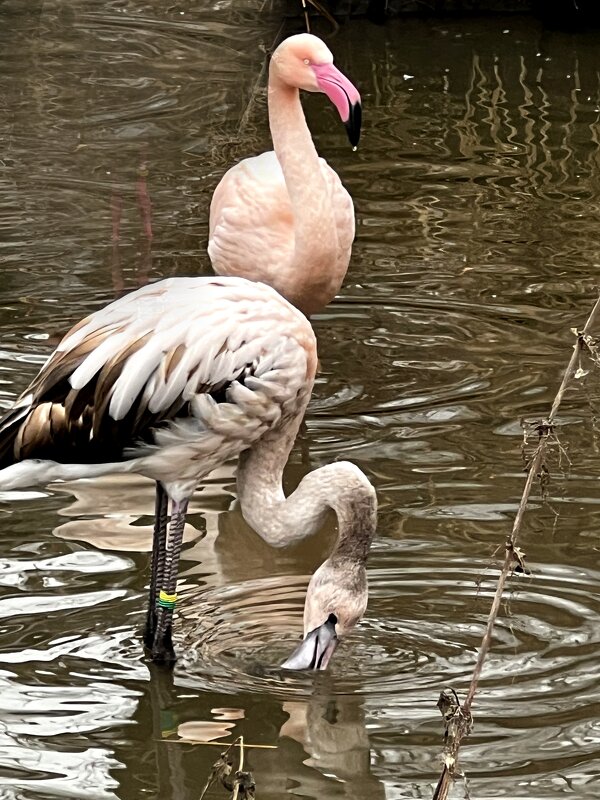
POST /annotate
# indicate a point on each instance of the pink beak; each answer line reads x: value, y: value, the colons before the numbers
x: 344, y: 96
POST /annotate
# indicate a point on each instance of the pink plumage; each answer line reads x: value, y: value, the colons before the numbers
x: 283, y: 217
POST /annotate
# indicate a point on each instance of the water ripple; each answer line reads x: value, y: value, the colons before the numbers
x: 476, y: 253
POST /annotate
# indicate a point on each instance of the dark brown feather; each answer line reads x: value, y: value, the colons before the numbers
x: 48, y: 384
x: 74, y: 426
x: 109, y: 374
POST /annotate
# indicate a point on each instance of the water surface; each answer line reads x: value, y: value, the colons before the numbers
x: 477, y: 204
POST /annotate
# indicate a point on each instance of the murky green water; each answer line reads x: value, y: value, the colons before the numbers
x: 477, y: 198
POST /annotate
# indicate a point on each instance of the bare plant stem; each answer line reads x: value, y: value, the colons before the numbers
x: 322, y: 10
x: 463, y: 718
x: 306, y: 20
x: 236, y: 789
x: 222, y: 768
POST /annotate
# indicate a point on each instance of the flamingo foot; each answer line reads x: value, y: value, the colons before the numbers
x: 163, y: 652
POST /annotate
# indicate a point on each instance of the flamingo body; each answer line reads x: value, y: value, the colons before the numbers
x: 171, y: 381
x: 284, y: 217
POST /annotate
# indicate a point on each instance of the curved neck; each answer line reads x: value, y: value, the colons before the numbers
x: 280, y: 521
x: 315, y: 232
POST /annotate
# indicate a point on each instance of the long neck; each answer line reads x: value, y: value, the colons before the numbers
x: 280, y: 521
x: 315, y: 231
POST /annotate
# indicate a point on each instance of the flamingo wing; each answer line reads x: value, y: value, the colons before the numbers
x: 183, y: 359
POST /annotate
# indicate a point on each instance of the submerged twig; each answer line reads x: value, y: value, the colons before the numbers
x: 457, y: 718
x: 256, y: 86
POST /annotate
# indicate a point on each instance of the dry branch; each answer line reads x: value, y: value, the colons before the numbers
x: 240, y: 783
x: 322, y: 10
x: 458, y: 719
x: 221, y: 770
x: 244, y: 786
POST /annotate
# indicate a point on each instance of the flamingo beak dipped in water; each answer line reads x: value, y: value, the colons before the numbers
x: 337, y: 593
x: 317, y: 647
x: 283, y: 217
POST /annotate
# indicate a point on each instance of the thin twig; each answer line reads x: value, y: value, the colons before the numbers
x: 240, y: 769
x: 458, y: 718
x: 306, y: 20
x: 195, y: 743
x: 322, y: 11
x: 221, y: 770
x: 241, y: 766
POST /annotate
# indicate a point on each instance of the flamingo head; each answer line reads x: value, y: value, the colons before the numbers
x: 335, y: 601
x: 305, y: 62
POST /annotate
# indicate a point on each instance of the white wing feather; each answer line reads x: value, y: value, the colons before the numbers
x: 224, y: 326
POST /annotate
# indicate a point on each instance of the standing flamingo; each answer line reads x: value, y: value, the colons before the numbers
x: 284, y: 217
x: 169, y: 382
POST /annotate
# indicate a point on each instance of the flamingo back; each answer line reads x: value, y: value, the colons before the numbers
x: 178, y: 376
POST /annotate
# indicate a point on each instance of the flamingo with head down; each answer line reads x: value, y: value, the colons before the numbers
x: 171, y: 381
x: 284, y: 217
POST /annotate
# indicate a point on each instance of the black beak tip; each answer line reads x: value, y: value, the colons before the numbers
x: 315, y: 650
x: 353, y: 124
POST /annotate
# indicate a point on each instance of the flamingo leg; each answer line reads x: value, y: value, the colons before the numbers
x: 162, y: 646
x: 159, y: 543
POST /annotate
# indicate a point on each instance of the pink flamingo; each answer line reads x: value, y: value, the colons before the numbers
x: 171, y: 381
x: 284, y: 217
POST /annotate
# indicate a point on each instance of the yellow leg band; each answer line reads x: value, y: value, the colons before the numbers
x: 167, y: 600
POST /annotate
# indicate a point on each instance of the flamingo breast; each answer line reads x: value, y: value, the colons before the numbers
x: 252, y: 230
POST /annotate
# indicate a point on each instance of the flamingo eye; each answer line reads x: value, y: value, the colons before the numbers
x: 307, y: 61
